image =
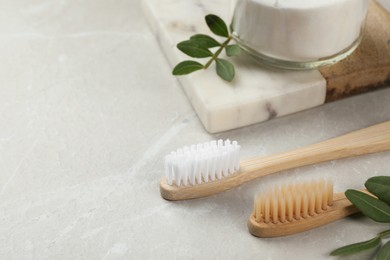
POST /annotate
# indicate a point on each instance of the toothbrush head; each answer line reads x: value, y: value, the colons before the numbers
x: 202, y: 163
x: 294, y: 208
x: 293, y: 201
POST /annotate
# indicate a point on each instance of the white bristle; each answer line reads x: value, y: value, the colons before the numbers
x: 205, y: 169
x: 204, y: 162
x: 213, y: 165
x: 227, y: 163
x: 176, y: 169
x: 197, y: 169
x: 168, y: 169
x: 293, y: 201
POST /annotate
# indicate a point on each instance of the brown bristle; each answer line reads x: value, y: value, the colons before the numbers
x: 293, y: 201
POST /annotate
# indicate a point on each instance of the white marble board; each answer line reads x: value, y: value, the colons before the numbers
x: 256, y: 94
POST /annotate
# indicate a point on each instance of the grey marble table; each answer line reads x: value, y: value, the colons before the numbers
x: 88, y: 109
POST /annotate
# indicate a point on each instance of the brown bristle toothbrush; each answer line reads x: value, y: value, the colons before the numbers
x: 205, y: 169
x: 294, y: 208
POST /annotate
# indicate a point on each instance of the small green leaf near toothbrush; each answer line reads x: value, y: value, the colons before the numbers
x: 378, y: 209
x: 198, y: 46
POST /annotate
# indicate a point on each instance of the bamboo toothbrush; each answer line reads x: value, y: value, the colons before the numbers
x: 295, y: 208
x: 206, y: 169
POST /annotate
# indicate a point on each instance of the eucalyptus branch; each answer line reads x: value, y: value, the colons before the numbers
x: 216, y: 54
x: 378, y: 209
x: 199, y: 45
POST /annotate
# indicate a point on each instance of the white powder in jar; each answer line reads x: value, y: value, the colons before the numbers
x: 299, y: 30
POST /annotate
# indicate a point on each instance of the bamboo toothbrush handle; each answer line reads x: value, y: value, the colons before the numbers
x: 372, y: 139
x: 341, y: 208
x: 369, y: 140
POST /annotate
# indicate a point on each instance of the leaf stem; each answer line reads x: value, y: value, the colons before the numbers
x: 216, y: 54
x: 384, y: 233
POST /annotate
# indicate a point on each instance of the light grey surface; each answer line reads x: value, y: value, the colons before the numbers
x: 88, y: 108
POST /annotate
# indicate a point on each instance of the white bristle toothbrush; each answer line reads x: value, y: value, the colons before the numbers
x: 294, y: 208
x: 206, y: 169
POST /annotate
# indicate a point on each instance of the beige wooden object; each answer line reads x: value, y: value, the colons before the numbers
x: 368, y: 67
x: 368, y: 140
x: 341, y: 208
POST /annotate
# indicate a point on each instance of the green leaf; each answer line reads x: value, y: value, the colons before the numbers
x: 370, y: 206
x: 186, y: 67
x: 205, y: 40
x: 380, y: 187
x: 194, y: 49
x: 225, y: 69
x: 356, y: 248
x: 217, y: 25
x: 233, y: 50
x: 384, y: 252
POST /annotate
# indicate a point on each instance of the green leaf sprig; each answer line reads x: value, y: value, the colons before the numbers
x: 378, y: 209
x: 199, y: 45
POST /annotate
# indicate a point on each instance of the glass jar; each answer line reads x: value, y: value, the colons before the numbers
x: 299, y: 34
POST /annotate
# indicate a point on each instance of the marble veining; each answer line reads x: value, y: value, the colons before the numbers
x: 223, y: 106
